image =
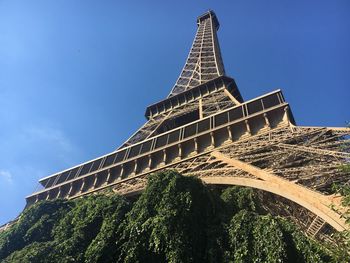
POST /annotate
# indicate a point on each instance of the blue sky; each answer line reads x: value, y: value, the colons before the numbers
x: 76, y: 76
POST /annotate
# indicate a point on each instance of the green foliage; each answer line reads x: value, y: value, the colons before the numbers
x: 34, y: 252
x: 299, y: 248
x: 176, y: 219
x: 102, y: 248
x: 256, y: 238
x: 237, y: 198
x: 344, y: 191
x: 169, y: 221
x: 264, y: 238
x: 34, y: 225
x: 341, y: 248
x: 81, y: 226
x: 64, y: 231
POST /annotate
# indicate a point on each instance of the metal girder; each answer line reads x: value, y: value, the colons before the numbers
x: 315, y: 150
x: 313, y: 201
x: 253, y: 143
x: 205, y: 56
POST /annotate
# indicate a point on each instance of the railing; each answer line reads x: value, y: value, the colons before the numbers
x: 200, y: 91
x: 171, y: 137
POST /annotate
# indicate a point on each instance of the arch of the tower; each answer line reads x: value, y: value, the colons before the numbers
x: 325, y: 212
x: 319, y: 204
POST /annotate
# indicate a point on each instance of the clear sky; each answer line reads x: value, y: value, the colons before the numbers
x: 76, y: 76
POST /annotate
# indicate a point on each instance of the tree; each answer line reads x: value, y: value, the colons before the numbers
x: 175, y: 219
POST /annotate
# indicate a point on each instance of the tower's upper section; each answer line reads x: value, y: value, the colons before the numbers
x: 204, y: 61
x: 208, y: 15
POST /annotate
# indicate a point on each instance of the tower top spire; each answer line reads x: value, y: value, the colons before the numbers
x: 204, y: 61
x: 209, y: 14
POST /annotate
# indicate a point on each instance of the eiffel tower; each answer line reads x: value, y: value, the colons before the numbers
x: 204, y: 128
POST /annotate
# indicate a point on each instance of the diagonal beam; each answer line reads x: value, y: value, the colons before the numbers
x: 309, y: 149
x: 315, y: 202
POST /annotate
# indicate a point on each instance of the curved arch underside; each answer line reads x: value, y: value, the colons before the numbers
x: 319, y: 204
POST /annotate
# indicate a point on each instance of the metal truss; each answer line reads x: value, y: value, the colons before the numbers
x: 203, y: 64
x: 202, y: 107
x: 296, y: 156
x: 217, y: 102
x: 204, y: 60
x: 306, y: 162
x: 204, y: 129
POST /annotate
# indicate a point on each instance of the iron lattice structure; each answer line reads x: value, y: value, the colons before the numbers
x: 205, y: 129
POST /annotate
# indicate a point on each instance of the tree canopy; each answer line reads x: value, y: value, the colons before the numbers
x: 175, y: 219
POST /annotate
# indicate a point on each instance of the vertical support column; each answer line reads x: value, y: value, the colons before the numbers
x: 59, y: 192
x: 212, y: 140
x: 196, y: 145
x: 149, y: 165
x: 286, y: 115
x: 200, y: 103
x: 267, y: 122
x: 135, y: 168
x: 108, y: 179
x: 36, y: 198
x: 248, y: 127
x: 179, y: 156
x: 164, y: 157
x: 56, y: 196
x: 95, y: 181
x: 229, y: 131
x: 70, y: 189
x: 48, y: 195
x: 121, y: 170
x: 82, y: 186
